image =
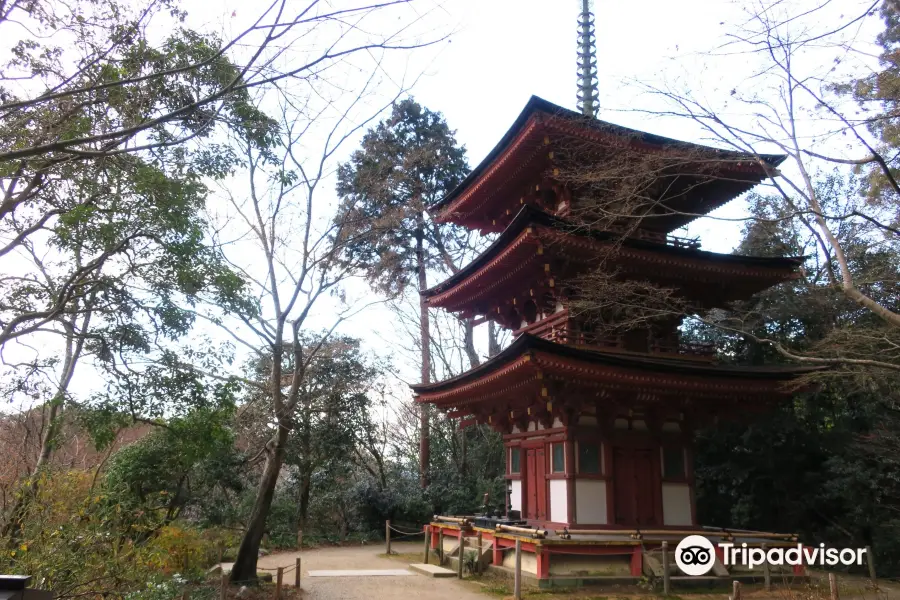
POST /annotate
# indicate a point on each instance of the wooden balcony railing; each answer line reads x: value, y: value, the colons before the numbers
x: 557, y: 328
x: 661, y: 238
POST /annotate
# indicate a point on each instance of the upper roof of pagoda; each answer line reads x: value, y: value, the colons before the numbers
x: 537, y: 246
x: 492, y: 193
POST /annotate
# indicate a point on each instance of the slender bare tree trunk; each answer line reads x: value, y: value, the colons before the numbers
x: 424, y: 424
x: 493, y: 346
x: 463, y: 452
x: 469, y: 342
x: 74, y: 347
x: 244, y: 569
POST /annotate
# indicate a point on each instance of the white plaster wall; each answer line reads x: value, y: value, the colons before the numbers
x: 515, y: 494
x: 529, y: 561
x: 557, y: 422
x: 590, y: 502
x: 592, y: 566
x: 559, y: 511
x: 676, y: 499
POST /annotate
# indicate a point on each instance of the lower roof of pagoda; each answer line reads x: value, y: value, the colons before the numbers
x: 532, y: 369
x: 537, y: 247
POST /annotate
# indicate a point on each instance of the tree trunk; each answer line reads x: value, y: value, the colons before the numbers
x: 469, y: 342
x: 305, y: 484
x: 424, y: 425
x: 493, y: 346
x: 74, y: 347
x: 464, y: 452
x: 244, y: 569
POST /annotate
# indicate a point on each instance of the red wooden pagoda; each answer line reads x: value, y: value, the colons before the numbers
x: 597, y: 428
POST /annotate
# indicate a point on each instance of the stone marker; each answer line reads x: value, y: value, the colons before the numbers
x: 431, y: 570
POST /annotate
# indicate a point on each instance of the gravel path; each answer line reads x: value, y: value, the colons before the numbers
x: 416, y: 587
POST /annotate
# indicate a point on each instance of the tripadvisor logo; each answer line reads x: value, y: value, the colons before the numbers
x: 696, y: 555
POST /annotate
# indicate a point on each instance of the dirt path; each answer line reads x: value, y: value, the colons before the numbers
x: 420, y: 587
x: 414, y: 587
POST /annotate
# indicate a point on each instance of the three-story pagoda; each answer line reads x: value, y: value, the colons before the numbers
x: 597, y: 427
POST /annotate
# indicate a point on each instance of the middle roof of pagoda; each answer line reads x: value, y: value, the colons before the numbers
x: 489, y: 197
x: 538, y: 249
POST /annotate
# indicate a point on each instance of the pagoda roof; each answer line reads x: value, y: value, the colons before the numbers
x: 533, y: 362
x: 519, y: 254
x: 518, y: 152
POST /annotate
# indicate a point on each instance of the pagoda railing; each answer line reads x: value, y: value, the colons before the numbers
x: 556, y: 328
x: 659, y: 238
x: 697, y: 348
x: 548, y: 326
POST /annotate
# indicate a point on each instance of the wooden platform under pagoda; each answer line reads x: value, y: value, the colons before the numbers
x: 559, y: 558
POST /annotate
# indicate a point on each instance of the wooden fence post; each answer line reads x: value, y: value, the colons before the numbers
x: 223, y: 585
x: 736, y: 590
x: 427, y: 543
x: 767, y: 571
x: 279, y: 579
x: 299, y: 539
x: 387, y: 537
x: 461, y: 554
x: 297, y: 570
x: 441, y: 546
x: 665, y: 566
x: 478, y: 556
x: 832, y: 586
x: 517, y: 582
x: 871, y: 561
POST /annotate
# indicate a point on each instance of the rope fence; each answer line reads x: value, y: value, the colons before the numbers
x: 280, y: 572
x: 404, y: 534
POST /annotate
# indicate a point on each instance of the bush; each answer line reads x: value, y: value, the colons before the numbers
x: 79, y: 542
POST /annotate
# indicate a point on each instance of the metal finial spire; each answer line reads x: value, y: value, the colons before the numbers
x: 588, y: 93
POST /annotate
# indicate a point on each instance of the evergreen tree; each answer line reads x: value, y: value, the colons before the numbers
x: 406, y: 163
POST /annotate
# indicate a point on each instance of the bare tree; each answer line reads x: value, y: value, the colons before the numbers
x: 88, y: 90
x: 799, y: 62
x: 280, y: 234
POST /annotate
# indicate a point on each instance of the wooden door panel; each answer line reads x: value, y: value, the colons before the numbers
x: 637, y: 487
x: 645, y: 487
x: 623, y: 486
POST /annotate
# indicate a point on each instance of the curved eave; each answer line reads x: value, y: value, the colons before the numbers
x: 532, y: 230
x: 528, y: 355
x: 520, y: 144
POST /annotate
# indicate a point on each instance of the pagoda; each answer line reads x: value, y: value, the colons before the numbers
x: 598, y: 427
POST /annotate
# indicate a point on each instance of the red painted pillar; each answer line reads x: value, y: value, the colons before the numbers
x: 543, y: 562
x: 434, y: 537
x: 637, y: 562
x: 498, y: 553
